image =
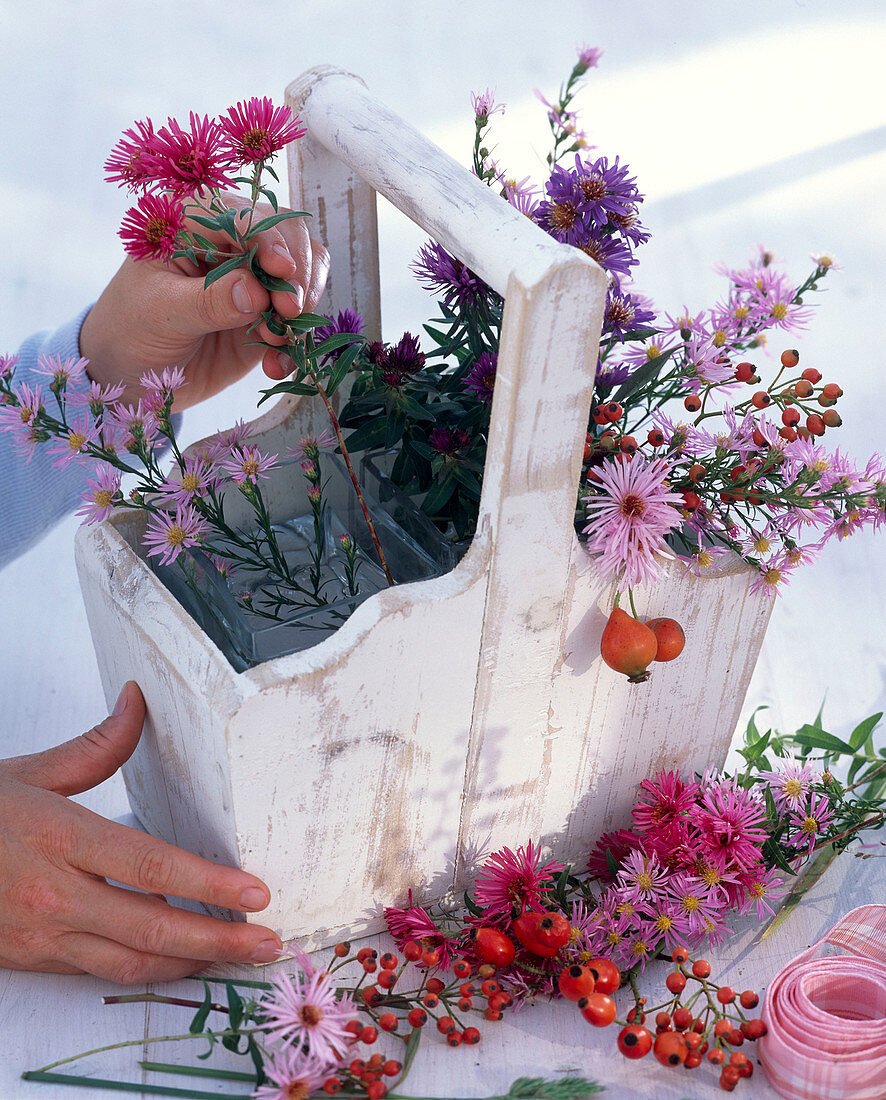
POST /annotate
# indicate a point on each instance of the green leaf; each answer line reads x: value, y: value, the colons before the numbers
x: 199, y: 1021
x: 197, y: 1071
x: 334, y: 342
x: 641, y: 376
x: 223, y: 269
x: 342, y: 365
x: 414, y: 408
x: 817, y: 738
x: 287, y: 387
x: 368, y: 435
x: 270, y: 196
x: 772, y: 853
x: 306, y: 321
x: 612, y: 863
x: 468, y: 480
x: 472, y: 907
x: 864, y: 729
x: 438, y: 496
x: 235, y: 1006
x: 207, y: 223
x: 272, y: 220
x: 130, y: 1086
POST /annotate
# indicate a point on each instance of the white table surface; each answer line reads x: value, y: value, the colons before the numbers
x: 747, y: 122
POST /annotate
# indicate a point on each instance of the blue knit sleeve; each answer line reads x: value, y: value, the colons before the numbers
x: 36, y: 494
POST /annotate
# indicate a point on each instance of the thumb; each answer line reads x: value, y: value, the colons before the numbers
x: 233, y: 301
x: 91, y: 758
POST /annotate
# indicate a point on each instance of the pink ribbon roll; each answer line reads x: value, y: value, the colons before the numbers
x: 827, y: 1016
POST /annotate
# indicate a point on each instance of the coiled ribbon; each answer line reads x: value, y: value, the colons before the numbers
x: 826, y: 1017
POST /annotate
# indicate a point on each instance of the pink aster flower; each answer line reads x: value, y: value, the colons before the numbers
x: 220, y: 445
x: 126, y: 165
x: 150, y: 228
x: 511, y: 881
x: 61, y: 371
x: 631, y: 511
x: 25, y: 413
x: 789, y: 783
x: 484, y: 104
x: 294, y: 1074
x: 95, y: 396
x: 415, y: 923
x: 248, y: 464
x: 663, y: 800
x: 704, y: 562
x: 729, y: 819
x: 641, y: 877
x: 188, y: 480
x: 612, y: 848
x: 589, y: 57
x: 663, y: 919
x: 811, y: 822
x: 310, y: 446
x: 135, y: 425
x: 103, y: 494
x: 189, y: 161
x: 696, y: 900
x: 761, y: 887
x: 774, y: 573
x: 168, y: 535
x: 256, y: 129
x: 308, y: 1010
x: 80, y: 433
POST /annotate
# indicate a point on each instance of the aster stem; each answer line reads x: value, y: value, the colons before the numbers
x: 158, y: 998
x: 336, y: 427
x: 848, y: 832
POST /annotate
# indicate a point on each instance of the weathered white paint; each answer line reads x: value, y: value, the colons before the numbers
x: 444, y: 717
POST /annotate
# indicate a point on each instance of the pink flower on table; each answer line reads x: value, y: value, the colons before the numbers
x: 150, y: 228
x: 703, y: 563
x: 697, y: 901
x: 248, y: 464
x: 811, y: 822
x: 168, y: 535
x: 294, y: 1074
x: 789, y: 783
x: 762, y: 886
x: 189, y: 161
x: 413, y: 922
x: 641, y: 877
x: 510, y: 881
x: 629, y: 513
x: 165, y: 383
x: 729, y: 820
x: 663, y: 919
x: 126, y: 165
x: 81, y: 432
x: 256, y: 129
x: 664, y: 800
x: 103, y: 495
x: 306, y: 1010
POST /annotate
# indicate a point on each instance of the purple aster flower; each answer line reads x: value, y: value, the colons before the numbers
x: 96, y: 397
x: 248, y: 464
x: 443, y: 274
x: 61, y: 371
x: 398, y: 362
x: 348, y: 320
x: 480, y: 379
x: 307, y: 1010
x: 513, y: 881
x: 168, y: 535
x: 760, y: 887
x: 103, y: 494
x: 629, y: 514
x: 449, y: 441
x: 641, y: 877
x: 626, y: 311
x: 561, y: 213
x: 188, y: 480
x: 136, y: 425
x: 696, y: 900
x: 663, y: 919
x: 522, y: 195
x: 609, y: 252
x: 606, y: 190
x: 789, y: 783
x: 589, y: 57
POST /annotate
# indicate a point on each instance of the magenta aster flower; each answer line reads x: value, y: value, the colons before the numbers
x: 510, y: 881
x: 256, y: 129
x: 630, y: 512
x: 189, y: 161
x: 663, y: 800
x: 449, y: 442
x: 150, y: 228
x: 612, y: 847
x: 103, y: 494
x: 480, y: 379
x: 415, y: 923
x: 294, y: 1074
x: 729, y: 819
x: 248, y: 464
x: 789, y: 783
x: 308, y: 1010
x: 589, y: 57
x: 399, y: 362
x: 126, y: 166
x: 168, y: 535
x: 696, y: 900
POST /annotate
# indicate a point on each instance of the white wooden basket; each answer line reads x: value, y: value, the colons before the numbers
x: 449, y: 717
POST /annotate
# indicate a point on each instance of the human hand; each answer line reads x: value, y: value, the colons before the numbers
x: 57, y: 912
x: 151, y: 316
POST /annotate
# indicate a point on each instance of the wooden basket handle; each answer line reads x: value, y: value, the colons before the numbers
x: 554, y: 294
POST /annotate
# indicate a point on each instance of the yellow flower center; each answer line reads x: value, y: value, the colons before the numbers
x: 793, y: 788
x: 762, y: 545
x: 772, y: 576
x: 632, y: 506
x: 719, y: 338
x: 562, y: 215
x: 779, y: 311
x: 254, y: 139
x: 690, y: 903
x: 190, y: 483
x: 705, y: 559
x: 76, y: 441
x: 155, y: 230
x: 250, y: 467
x: 102, y: 498
x: 644, y: 881
x: 175, y: 536
x: 810, y: 825
x: 653, y: 351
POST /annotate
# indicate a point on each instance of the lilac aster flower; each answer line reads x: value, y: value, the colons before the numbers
x: 480, y: 379
x: 294, y: 1074
x: 96, y: 397
x: 248, y: 464
x: 609, y: 252
x: 697, y: 901
x: 773, y: 573
x: 761, y: 887
x: 187, y: 481
x: 307, y: 1010
x: 561, y: 214
x: 168, y: 535
x: 484, y: 105
x: 103, y: 494
x: 606, y: 190
x: 663, y: 919
x: 789, y: 783
x: 589, y: 57
x: 348, y: 320
x: 641, y: 877
x: 811, y: 822
x: 629, y: 515
x: 310, y: 446
x: 81, y: 432
x: 626, y: 311
x: 61, y: 371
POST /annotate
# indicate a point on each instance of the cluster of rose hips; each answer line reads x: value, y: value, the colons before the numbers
x: 708, y: 1023
x: 795, y: 398
x: 472, y: 989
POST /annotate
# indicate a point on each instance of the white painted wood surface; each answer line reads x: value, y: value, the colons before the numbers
x: 446, y: 717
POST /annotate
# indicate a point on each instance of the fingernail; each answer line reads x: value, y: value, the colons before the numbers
x: 240, y: 297
x: 267, y: 951
x: 253, y: 898
x: 283, y: 251
x: 284, y: 362
x: 120, y: 705
x: 299, y: 298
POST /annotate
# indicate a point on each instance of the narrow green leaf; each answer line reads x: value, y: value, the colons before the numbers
x: 342, y: 365
x: 334, y: 342
x: 817, y: 738
x: 369, y: 434
x: 472, y: 906
x: 270, y: 196
x: 223, y: 269
x: 235, y: 1006
x: 207, y: 223
x: 197, y: 1071
x: 772, y: 851
x: 199, y: 1021
x: 129, y: 1086
x: 272, y: 220
x: 438, y: 496
x: 306, y: 321
x: 612, y: 863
